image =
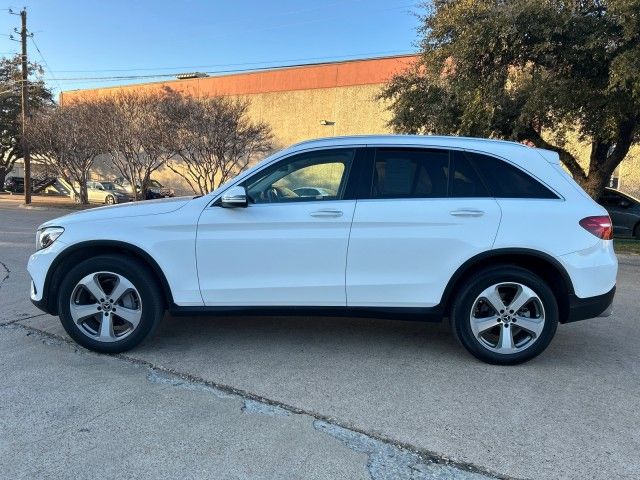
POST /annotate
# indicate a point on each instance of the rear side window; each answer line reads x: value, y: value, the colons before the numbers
x: 506, y: 181
x: 465, y: 181
x: 410, y: 173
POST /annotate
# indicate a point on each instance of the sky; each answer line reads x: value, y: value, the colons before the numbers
x: 80, y: 42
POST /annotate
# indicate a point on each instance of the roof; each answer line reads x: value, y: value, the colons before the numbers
x: 295, y: 77
x: 434, y: 140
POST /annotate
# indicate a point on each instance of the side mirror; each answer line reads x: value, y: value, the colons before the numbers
x: 234, y: 197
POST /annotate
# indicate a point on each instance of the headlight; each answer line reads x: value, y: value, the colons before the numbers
x: 46, y: 236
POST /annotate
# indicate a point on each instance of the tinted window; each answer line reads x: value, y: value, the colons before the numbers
x: 615, y: 200
x: 465, y: 181
x: 505, y: 180
x: 410, y: 173
x: 305, y: 177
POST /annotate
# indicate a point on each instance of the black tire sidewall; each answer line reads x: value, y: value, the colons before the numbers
x: 475, y: 285
x: 110, y: 197
x: 136, y: 273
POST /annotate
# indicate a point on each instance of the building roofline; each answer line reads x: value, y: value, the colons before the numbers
x: 306, y: 76
x: 232, y: 73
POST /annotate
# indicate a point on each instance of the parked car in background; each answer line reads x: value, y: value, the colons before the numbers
x: 106, y: 192
x: 493, y: 235
x: 314, y: 192
x: 155, y: 189
x: 624, y: 211
x: 38, y: 183
x: 14, y: 184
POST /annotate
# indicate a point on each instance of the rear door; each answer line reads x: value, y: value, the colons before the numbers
x: 415, y: 226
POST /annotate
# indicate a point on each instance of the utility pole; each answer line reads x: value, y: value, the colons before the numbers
x: 25, y: 109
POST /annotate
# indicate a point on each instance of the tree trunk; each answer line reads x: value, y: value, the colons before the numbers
x: 595, y: 182
x: 84, y: 194
x: 3, y: 177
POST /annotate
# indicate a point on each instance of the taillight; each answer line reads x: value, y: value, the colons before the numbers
x: 600, y: 226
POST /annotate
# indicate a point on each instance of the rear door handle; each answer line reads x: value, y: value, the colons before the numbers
x: 326, y: 213
x: 466, y: 212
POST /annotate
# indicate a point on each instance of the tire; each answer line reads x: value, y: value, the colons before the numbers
x: 482, y: 329
x: 109, y: 200
x: 141, y: 304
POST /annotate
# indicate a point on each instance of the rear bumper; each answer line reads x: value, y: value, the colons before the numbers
x: 590, y: 307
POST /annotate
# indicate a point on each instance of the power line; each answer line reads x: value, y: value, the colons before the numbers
x: 210, y: 72
x: 190, y: 67
x: 45, y: 63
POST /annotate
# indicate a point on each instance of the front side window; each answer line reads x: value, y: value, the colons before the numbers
x: 305, y: 177
x: 410, y: 173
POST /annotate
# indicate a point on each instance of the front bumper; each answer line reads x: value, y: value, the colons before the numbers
x: 38, y: 267
x: 590, y: 307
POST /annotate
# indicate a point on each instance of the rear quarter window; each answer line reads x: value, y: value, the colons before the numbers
x: 507, y: 181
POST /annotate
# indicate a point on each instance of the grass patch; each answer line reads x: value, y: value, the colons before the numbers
x: 626, y: 246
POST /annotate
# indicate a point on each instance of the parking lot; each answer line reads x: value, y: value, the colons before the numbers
x: 307, y: 397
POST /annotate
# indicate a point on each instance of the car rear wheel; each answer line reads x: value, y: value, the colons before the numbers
x: 109, y: 303
x: 505, y: 315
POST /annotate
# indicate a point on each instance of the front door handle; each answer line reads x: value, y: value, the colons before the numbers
x: 326, y: 213
x: 467, y: 212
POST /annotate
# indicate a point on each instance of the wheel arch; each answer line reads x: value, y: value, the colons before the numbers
x: 84, y: 250
x: 540, y: 263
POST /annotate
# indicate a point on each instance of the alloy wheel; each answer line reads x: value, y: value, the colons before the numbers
x: 507, y: 317
x: 106, y: 306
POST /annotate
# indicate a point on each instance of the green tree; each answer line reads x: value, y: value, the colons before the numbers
x: 514, y: 69
x: 10, y: 109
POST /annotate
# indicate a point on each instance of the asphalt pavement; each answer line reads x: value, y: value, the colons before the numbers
x: 309, y: 397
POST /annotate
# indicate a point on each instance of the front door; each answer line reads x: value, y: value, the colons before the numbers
x: 285, y: 248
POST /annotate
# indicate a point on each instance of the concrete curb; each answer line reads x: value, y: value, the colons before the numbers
x: 32, y: 207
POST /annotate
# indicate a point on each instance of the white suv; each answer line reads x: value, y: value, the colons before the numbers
x: 493, y: 235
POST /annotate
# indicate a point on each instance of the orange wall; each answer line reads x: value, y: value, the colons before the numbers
x: 328, y: 75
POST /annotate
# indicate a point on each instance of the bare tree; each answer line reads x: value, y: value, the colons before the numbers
x: 63, y: 139
x: 10, y: 106
x: 135, y: 130
x: 214, y: 140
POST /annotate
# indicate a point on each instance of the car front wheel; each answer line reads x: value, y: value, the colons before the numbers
x: 505, y: 315
x: 109, y: 303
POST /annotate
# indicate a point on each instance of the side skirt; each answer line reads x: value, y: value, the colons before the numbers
x: 424, y: 314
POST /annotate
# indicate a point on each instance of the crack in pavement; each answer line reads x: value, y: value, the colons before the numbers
x: 6, y: 273
x: 389, y: 462
x: 28, y: 317
x: 388, y: 458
